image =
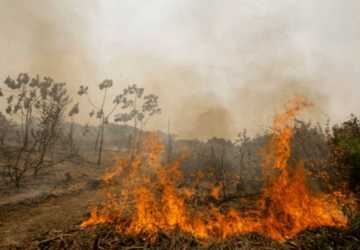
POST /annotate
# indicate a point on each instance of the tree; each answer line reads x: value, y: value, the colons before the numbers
x: 138, y: 108
x: 99, y: 112
x: 169, y: 144
x: 5, y: 127
x: 69, y: 141
x: 219, y: 148
x: 242, y: 142
x: 135, y: 107
x: 38, y: 106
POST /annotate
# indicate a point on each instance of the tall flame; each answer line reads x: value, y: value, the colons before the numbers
x: 150, y: 200
x: 287, y: 204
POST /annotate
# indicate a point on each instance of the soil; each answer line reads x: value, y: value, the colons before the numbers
x: 59, y: 199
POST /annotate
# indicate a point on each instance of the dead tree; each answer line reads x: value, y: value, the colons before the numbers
x: 218, y: 152
x: 242, y: 141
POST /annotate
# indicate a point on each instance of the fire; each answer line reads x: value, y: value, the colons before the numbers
x: 215, y: 192
x: 287, y: 203
x: 150, y: 199
x: 95, y: 219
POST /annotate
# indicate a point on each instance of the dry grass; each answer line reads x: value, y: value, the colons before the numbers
x: 105, y: 237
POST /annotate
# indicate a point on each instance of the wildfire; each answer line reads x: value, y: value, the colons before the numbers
x: 151, y: 201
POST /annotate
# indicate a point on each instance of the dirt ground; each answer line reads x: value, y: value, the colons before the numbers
x: 59, y: 199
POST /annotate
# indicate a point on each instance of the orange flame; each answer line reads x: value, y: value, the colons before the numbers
x: 150, y: 200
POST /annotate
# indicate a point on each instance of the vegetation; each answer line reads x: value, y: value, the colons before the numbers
x: 134, y: 105
x: 5, y: 128
x: 38, y: 122
x: 345, y: 148
x: 38, y: 107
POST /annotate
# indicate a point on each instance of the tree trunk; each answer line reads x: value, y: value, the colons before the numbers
x: 101, y: 143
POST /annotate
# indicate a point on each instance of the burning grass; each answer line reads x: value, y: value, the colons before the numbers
x: 148, y: 204
x: 106, y: 237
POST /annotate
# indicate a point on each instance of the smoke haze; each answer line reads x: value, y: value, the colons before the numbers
x: 218, y: 67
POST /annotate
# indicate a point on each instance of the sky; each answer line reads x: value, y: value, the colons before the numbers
x: 218, y: 66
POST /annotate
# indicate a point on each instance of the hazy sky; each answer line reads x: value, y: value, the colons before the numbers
x: 218, y: 66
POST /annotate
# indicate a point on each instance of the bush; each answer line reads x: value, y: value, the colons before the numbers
x: 345, y: 144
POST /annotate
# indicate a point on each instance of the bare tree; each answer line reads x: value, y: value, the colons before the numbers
x: 218, y: 149
x: 169, y: 144
x: 242, y: 141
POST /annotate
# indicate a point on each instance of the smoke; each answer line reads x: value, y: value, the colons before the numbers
x: 218, y: 67
x: 204, y: 116
x: 46, y: 38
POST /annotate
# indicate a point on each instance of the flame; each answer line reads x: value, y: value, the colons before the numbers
x: 215, y: 192
x: 287, y: 204
x: 95, y: 218
x: 151, y: 201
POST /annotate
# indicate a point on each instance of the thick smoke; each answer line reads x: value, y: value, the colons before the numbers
x: 219, y: 67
